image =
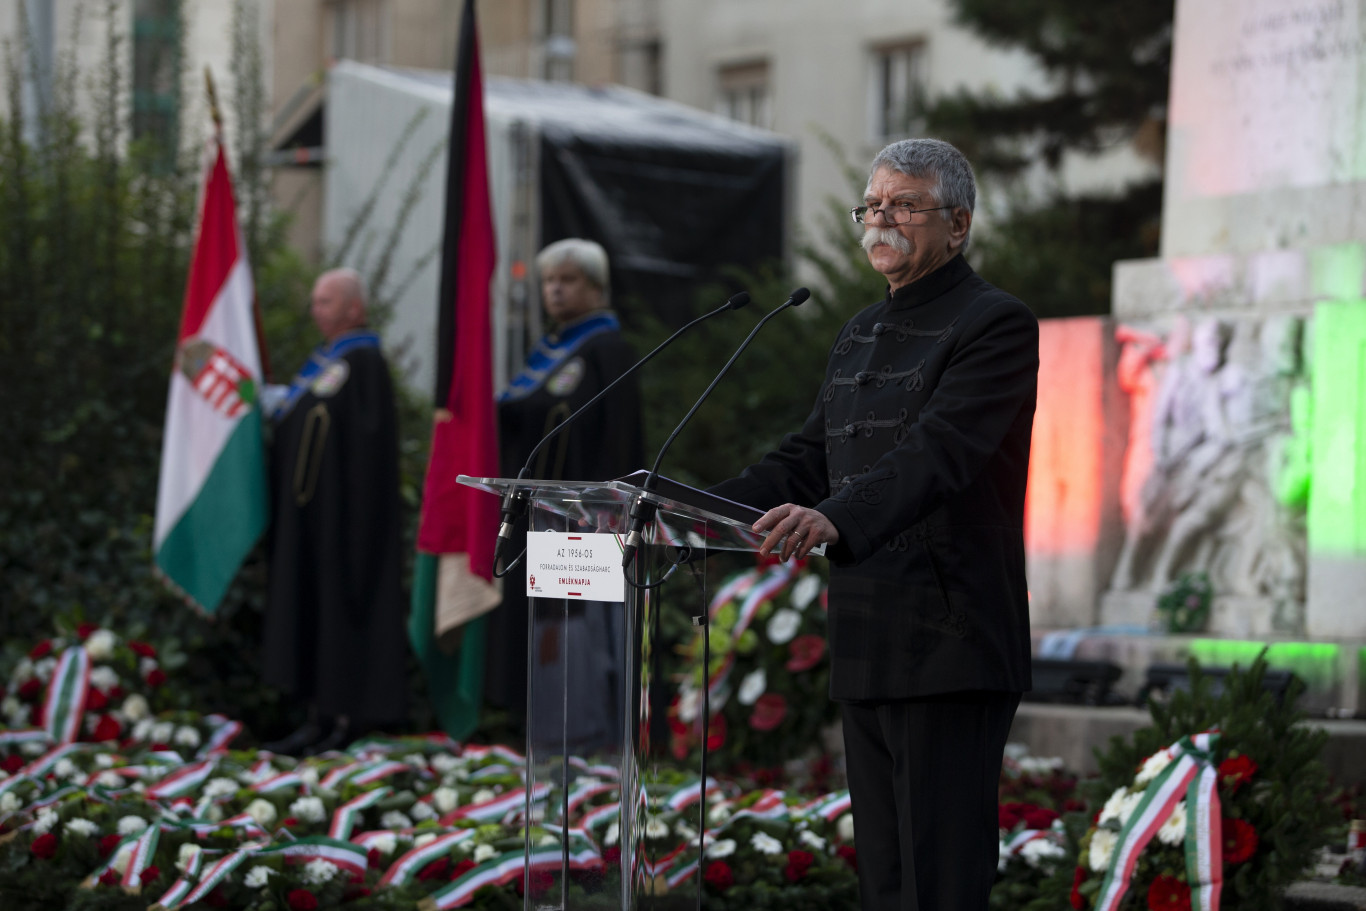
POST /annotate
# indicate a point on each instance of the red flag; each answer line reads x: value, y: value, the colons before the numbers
x: 452, y: 579
x: 457, y: 519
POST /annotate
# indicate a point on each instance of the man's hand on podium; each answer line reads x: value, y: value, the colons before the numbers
x: 794, y: 530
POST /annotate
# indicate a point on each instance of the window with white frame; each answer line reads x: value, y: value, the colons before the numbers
x: 743, y: 93
x: 897, y: 90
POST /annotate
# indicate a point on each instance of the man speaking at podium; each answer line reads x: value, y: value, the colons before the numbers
x: 911, y: 468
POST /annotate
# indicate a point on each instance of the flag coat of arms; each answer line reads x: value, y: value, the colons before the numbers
x: 211, y: 496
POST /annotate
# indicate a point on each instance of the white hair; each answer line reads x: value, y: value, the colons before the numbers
x: 588, y: 256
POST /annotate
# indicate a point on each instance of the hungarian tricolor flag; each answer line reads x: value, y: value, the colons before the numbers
x: 211, y: 497
x: 452, y: 584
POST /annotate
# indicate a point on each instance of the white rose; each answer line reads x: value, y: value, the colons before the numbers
x: 421, y: 811
x: 44, y: 668
x: 547, y: 840
x: 309, y: 776
x: 1173, y: 831
x: 393, y: 819
x: 104, y: 760
x: 811, y: 840
x: 214, y: 813
x: 220, y: 787
x: 385, y: 843
x: 14, y: 711
x: 32, y: 748
x: 416, y: 760
x: 444, y: 762
x: 424, y: 839
x: 613, y: 833
x: 1102, y: 846
x: 765, y: 843
x: 308, y: 809
x: 723, y: 848
x: 483, y: 795
x: 83, y: 827
x: 446, y: 799
x: 110, y: 780
x: 1113, y: 805
x: 188, y: 852
x: 130, y: 825
x: 146, y: 665
x: 752, y: 687
x: 103, y: 677
x: 1152, y: 767
x: 783, y: 625
x: 257, y: 877
x: 656, y: 828
x: 9, y: 802
x: 263, y: 811
x: 689, y: 704
x: 318, y: 871
x: 47, y: 818
x: 844, y: 827
x: 805, y: 591
x: 100, y: 644
x: 685, y: 832
x: 142, y: 730
x: 65, y: 768
x: 187, y: 737
x: 483, y: 853
x: 136, y: 709
x: 162, y: 732
x: 1042, y: 853
x: 719, y: 813
x: 23, y: 670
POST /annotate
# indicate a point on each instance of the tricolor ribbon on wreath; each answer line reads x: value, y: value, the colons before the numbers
x: 752, y: 589
x: 1191, y: 774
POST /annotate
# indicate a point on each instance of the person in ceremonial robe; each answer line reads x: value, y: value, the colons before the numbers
x: 333, y: 630
x: 582, y: 353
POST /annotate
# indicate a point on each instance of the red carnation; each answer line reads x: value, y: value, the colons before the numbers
x: 718, y: 875
x: 1240, y: 840
x: 716, y: 733
x: 798, y: 862
x: 301, y: 900
x: 95, y: 701
x: 612, y: 855
x: 462, y: 868
x: 1078, y: 902
x: 769, y: 712
x: 44, y: 846
x: 848, y: 854
x: 106, y: 729
x: 1036, y: 817
x: 30, y: 688
x: 1007, y: 815
x: 150, y: 875
x: 41, y: 650
x: 1236, y: 771
x: 437, y: 869
x: 109, y: 877
x: 156, y: 677
x: 541, y: 881
x: 109, y: 842
x: 12, y: 763
x: 806, y: 652
x: 373, y: 859
x: 142, y: 649
x: 289, y: 822
x: 84, y: 630
x: 1168, y: 893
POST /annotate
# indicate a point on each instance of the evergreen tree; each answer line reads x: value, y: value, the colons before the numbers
x: 1107, y: 65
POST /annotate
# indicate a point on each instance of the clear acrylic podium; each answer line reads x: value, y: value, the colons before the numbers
x: 590, y: 668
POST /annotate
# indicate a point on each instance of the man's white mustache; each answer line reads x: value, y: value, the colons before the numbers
x: 889, y: 236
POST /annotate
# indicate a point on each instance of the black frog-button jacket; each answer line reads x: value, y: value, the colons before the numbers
x: 917, y: 450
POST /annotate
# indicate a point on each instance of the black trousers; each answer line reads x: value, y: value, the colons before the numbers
x: 923, y: 776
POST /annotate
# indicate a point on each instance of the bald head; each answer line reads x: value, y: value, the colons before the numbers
x: 338, y: 302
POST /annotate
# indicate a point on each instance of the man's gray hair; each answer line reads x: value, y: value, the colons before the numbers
x: 587, y: 255
x: 952, y: 181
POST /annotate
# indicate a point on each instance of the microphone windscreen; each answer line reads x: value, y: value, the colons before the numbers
x: 738, y: 300
x: 799, y: 296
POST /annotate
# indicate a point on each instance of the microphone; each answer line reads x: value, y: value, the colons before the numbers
x: 514, y: 498
x: 643, y: 510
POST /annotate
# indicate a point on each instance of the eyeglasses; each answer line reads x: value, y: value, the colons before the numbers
x: 896, y: 214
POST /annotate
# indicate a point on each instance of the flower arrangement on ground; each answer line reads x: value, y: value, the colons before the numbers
x: 1219, y: 802
x: 767, y: 684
